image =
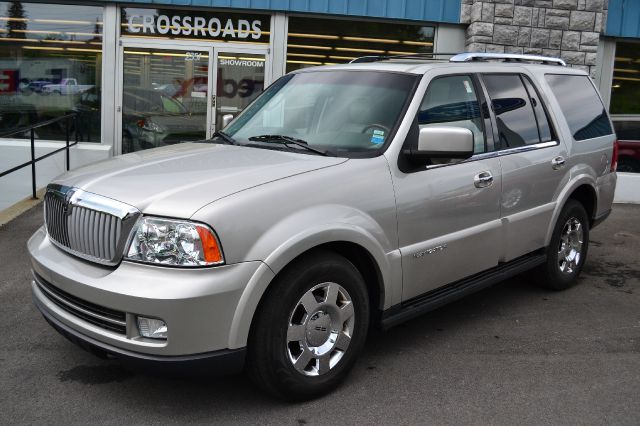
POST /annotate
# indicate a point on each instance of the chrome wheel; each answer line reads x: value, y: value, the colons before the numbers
x: 570, y: 247
x: 320, y: 329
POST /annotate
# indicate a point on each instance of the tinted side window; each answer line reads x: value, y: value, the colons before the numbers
x: 452, y: 101
x: 580, y: 105
x: 512, y: 107
x: 542, y: 119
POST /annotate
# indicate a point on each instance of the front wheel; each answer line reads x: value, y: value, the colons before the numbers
x: 310, y: 328
x: 567, y: 251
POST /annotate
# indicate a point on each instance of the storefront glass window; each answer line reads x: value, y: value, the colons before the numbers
x: 195, y: 25
x: 313, y: 41
x: 625, y: 104
x: 50, y: 65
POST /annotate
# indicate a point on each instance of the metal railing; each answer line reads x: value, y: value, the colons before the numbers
x: 31, y: 129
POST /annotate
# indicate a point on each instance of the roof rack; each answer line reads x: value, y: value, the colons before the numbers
x: 469, y: 57
x: 376, y: 58
x: 466, y: 57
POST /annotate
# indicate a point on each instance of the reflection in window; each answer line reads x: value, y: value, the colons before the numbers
x: 164, y: 97
x: 50, y: 65
x: 512, y: 107
x: 625, y: 89
x: 452, y: 101
x: 313, y: 41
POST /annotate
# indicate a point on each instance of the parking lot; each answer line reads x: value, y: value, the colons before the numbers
x: 512, y: 354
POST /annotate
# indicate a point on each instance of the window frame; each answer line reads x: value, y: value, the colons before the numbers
x: 489, y: 134
x: 499, y: 151
x: 479, y: 98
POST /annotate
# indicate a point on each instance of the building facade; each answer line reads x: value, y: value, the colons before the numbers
x: 145, y: 74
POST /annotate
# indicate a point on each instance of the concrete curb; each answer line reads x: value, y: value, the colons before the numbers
x: 10, y: 213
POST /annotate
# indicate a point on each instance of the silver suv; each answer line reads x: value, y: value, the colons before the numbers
x: 342, y: 198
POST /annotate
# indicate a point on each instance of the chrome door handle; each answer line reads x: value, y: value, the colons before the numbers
x: 557, y: 163
x: 483, y: 180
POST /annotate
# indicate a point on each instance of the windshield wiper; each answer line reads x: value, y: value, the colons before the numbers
x: 287, y: 140
x: 225, y: 137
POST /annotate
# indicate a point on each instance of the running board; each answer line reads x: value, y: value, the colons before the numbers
x: 459, y: 289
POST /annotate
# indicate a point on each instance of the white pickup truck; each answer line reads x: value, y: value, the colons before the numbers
x: 67, y: 86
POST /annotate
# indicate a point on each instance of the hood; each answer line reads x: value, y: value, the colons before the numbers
x: 178, y: 180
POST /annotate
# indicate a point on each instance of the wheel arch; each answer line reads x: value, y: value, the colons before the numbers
x: 584, y: 191
x: 355, y: 245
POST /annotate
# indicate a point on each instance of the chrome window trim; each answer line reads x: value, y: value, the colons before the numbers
x: 500, y: 153
x: 127, y: 214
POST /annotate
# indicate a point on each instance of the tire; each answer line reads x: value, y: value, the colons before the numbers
x: 295, y: 315
x: 567, y: 250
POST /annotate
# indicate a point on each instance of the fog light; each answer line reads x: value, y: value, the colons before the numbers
x: 152, y: 328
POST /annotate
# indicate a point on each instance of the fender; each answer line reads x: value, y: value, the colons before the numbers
x: 563, y: 196
x: 300, y: 242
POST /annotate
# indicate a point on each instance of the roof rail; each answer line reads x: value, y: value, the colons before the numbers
x: 376, y: 58
x: 468, y: 57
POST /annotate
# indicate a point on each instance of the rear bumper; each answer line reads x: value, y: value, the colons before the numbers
x: 222, y: 362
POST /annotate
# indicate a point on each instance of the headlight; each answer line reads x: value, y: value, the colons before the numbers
x: 174, y: 242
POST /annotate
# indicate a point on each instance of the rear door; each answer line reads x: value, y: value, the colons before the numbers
x: 532, y: 160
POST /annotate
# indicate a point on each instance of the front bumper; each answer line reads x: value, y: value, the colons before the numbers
x: 198, y: 305
x: 223, y: 362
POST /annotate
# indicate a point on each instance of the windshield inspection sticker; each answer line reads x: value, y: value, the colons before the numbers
x: 467, y: 86
x: 378, y: 137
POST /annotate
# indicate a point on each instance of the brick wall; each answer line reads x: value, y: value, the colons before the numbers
x: 569, y: 29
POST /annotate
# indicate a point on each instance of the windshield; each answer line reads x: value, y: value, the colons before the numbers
x: 335, y: 111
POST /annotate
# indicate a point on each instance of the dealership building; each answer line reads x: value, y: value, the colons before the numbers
x: 145, y: 74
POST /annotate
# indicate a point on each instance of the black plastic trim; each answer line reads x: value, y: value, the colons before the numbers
x: 456, y: 290
x: 600, y: 218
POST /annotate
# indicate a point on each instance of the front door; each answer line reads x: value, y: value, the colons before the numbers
x: 449, y: 211
x: 180, y: 91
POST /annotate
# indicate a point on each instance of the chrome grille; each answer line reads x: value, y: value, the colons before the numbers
x: 88, y: 225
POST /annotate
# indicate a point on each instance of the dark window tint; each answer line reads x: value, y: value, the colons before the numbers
x: 580, y: 105
x: 452, y: 101
x: 513, y: 110
x: 542, y: 119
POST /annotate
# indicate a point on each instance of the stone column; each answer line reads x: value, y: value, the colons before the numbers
x: 569, y: 29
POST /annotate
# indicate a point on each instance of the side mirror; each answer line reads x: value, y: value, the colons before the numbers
x: 443, y: 142
x: 226, y: 119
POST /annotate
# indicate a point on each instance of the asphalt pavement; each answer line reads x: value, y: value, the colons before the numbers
x: 513, y: 354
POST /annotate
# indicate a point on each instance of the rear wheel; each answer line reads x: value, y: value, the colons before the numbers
x: 310, y: 328
x: 567, y: 251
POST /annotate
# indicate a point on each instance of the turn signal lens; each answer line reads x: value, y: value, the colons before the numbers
x: 210, y: 247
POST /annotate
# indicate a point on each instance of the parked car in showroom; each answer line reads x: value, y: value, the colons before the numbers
x: 67, y: 86
x: 345, y: 197
x: 150, y: 119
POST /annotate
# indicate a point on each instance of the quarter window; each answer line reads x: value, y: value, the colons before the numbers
x: 513, y: 110
x: 581, y: 105
x: 452, y: 101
